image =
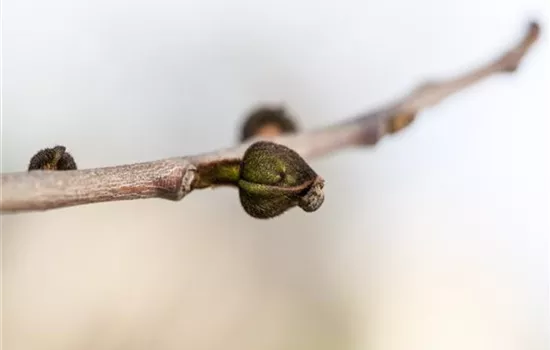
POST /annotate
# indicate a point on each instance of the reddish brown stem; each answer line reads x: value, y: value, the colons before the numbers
x: 173, y: 178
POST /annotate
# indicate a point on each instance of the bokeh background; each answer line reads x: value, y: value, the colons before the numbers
x: 437, y: 238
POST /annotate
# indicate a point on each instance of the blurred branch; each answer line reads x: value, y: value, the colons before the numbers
x: 174, y: 178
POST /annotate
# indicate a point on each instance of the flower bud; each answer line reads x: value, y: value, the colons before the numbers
x: 274, y: 179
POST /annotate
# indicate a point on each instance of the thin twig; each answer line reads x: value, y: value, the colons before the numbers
x: 174, y: 178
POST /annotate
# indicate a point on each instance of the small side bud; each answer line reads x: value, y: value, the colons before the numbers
x: 314, y: 197
x: 400, y: 122
x: 274, y: 179
x: 55, y: 158
x: 267, y: 121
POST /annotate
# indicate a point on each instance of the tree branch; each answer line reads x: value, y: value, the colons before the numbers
x: 174, y: 178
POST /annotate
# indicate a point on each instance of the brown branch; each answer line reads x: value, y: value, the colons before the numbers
x: 176, y: 177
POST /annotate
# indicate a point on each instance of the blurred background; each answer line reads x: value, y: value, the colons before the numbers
x: 436, y: 238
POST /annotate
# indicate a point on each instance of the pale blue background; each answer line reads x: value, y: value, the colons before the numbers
x: 435, y: 239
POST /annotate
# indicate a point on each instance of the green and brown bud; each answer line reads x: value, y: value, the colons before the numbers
x: 274, y: 179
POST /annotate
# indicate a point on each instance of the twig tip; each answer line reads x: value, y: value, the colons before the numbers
x: 533, y: 32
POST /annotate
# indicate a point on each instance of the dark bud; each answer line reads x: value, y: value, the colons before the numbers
x: 55, y: 158
x: 267, y: 121
x: 274, y: 179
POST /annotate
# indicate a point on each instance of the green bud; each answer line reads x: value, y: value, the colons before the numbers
x: 274, y: 178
